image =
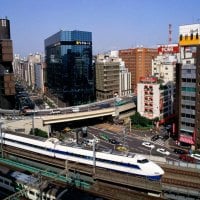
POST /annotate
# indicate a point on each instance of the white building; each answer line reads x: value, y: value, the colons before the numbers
x: 155, y: 100
x: 164, y: 65
x: 149, y: 97
x: 156, y: 94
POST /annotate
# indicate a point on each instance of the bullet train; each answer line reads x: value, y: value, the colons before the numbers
x: 134, y: 164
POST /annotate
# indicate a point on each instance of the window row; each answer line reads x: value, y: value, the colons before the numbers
x: 187, y: 37
x: 189, y: 98
x: 189, y: 80
x: 188, y: 124
x: 188, y: 115
x: 188, y: 89
x: 190, y: 107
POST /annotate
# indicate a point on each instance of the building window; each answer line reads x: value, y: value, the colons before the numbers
x: 3, y: 22
x: 188, y: 89
x: 181, y: 37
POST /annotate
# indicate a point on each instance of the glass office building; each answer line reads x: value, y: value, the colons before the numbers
x: 70, y: 72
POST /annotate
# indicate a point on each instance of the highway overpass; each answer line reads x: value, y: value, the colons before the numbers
x: 121, y: 112
x: 44, y: 119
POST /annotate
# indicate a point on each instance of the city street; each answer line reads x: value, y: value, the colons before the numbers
x: 133, y: 143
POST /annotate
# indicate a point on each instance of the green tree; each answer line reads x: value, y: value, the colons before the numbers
x: 39, y: 132
x: 139, y: 120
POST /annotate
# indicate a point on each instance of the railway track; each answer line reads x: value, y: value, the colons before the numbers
x: 174, y: 176
x: 183, y: 177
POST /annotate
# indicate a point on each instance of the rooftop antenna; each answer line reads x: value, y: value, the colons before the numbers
x: 170, y: 34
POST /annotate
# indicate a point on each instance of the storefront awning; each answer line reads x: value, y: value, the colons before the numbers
x: 186, y: 139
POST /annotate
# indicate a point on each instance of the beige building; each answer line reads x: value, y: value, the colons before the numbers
x: 112, y: 78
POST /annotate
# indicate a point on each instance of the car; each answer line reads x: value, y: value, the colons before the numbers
x: 180, y: 151
x: 165, y: 137
x: 121, y: 148
x: 195, y: 155
x: 113, y: 141
x: 148, y: 144
x: 155, y: 137
x: 104, y: 137
x: 163, y: 151
x: 187, y: 158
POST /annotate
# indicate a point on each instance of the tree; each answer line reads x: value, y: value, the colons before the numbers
x: 39, y: 132
x: 139, y: 120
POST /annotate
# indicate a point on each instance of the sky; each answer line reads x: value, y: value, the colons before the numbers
x: 115, y: 24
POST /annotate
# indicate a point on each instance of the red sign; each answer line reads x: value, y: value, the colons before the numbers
x: 148, y: 79
x: 171, y: 48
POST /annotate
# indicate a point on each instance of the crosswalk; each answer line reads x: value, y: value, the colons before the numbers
x: 158, y: 141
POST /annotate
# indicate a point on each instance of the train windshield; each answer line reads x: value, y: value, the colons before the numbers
x: 143, y: 161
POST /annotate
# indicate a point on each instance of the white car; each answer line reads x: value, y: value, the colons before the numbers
x: 195, y: 155
x: 163, y: 151
x: 148, y: 144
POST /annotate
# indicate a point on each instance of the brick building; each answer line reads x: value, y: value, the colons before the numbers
x: 139, y: 63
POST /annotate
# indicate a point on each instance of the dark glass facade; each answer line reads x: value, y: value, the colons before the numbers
x: 70, y: 71
x: 7, y: 79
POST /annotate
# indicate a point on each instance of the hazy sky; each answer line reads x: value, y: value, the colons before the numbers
x: 115, y: 24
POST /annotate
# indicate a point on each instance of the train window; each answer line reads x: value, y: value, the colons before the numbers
x: 143, y: 161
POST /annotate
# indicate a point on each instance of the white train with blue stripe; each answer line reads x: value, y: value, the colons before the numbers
x: 132, y: 164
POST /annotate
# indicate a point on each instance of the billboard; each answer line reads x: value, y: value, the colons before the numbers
x: 169, y: 48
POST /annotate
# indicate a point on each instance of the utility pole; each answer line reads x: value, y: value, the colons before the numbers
x: 1, y: 123
x: 94, y: 157
x: 33, y: 125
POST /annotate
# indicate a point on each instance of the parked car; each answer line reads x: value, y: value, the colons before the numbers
x: 163, y: 151
x: 148, y: 144
x: 180, y: 151
x: 187, y: 158
x: 155, y: 137
x: 195, y: 155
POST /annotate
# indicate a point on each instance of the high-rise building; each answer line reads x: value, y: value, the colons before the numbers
x: 7, y: 82
x: 164, y: 67
x: 139, y: 62
x: 29, y: 71
x: 112, y: 78
x: 189, y: 94
x: 69, y: 68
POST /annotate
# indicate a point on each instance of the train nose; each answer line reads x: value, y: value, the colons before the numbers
x: 160, y: 171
